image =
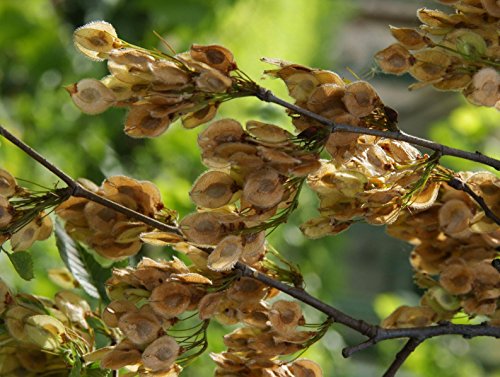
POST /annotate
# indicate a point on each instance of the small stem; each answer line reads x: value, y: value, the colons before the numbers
x: 301, y: 295
x: 267, y: 96
x: 79, y: 191
x: 402, y: 355
x: 457, y: 184
x: 37, y: 157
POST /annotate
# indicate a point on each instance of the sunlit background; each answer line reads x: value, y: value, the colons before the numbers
x: 362, y: 271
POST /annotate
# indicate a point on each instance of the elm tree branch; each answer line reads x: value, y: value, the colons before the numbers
x: 457, y: 184
x: 402, y: 355
x: 374, y: 333
x: 268, y: 96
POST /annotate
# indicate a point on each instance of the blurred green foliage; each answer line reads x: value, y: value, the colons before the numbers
x: 37, y: 59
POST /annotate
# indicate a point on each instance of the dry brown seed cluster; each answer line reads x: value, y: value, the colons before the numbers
x: 457, y: 51
x: 111, y: 234
x: 18, y: 222
x: 370, y: 181
x: 157, y: 88
x: 146, y: 302
x: 327, y: 94
x: 149, y: 300
x: 41, y: 333
x: 254, y: 176
x: 270, y: 331
x: 455, y: 243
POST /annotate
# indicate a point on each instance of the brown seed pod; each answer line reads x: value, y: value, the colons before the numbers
x: 263, y: 188
x: 328, y: 77
x: 213, y: 82
x: 100, y: 218
x: 190, y: 278
x: 226, y: 254
x: 401, y: 151
x: 219, y: 132
x: 91, y: 96
x: 25, y: 237
x: 8, y: 184
x: 199, y: 117
x: 170, y: 299
x: 253, y: 247
x: 168, y: 73
x: 326, y: 97
x: 239, y: 338
x: 409, y: 316
x: 116, y: 309
x: 305, y: 368
x: 123, y: 354
x: 230, y: 363
x: 323, y: 226
x: 215, y: 56
x: 430, y: 65
x: 158, y: 238
x: 395, y: 59
x: 300, y: 85
x: 276, y: 157
x: 247, y: 290
x: 213, y: 189
x: 96, y: 39
x: 485, y: 87
x: 456, y: 278
x: 285, y: 316
x: 360, y: 98
x: 267, y: 132
x: 265, y: 344
x: 203, y: 228
x: 112, y: 250
x: 254, y: 314
x: 140, y: 327
x: 409, y: 38
x: 454, y: 217
x: 436, y: 18
x: 141, y: 123
x: 492, y: 7
x: 6, y: 212
x: 426, y: 197
x: 135, y: 60
x: 209, y: 304
x: 14, y: 319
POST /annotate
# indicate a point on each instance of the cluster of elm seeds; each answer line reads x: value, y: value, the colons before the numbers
x: 455, y: 244
x: 20, y: 222
x: 457, y: 51
x: 112, y: 234
x: 157, y: 88
x: 39, y: 335
x: 254, y: 178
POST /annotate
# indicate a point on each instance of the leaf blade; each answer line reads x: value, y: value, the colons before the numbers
x: 86, y: 270
x: 23, y: 264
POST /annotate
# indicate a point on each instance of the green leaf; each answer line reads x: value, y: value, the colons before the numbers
x: 22, y: 262
x: 90, y: 274
x: 94, y: 370
x: 77, y: 369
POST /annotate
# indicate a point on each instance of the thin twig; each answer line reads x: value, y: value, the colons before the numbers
x: 37, y: 157
x: 446, y: 328
x: 402, y: 355
x: 301, y: 295
x: 268, y: 96
x: 457, y: 184
x: 79, y: 191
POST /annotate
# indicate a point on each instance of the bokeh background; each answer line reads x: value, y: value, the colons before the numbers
x: 362, y: 271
